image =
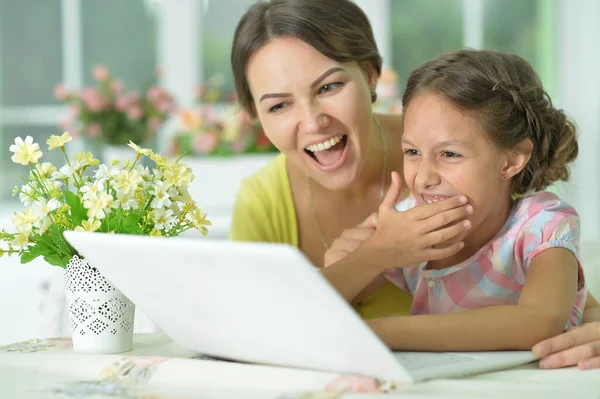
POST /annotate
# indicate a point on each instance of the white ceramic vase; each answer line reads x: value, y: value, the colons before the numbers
x: 101, y: 317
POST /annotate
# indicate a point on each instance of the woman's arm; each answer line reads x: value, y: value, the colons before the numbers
x: 579, y: 346
x: 543, y: 310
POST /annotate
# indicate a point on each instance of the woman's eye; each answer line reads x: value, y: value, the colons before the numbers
x: 329, y: 87
x: 278, y: 107
x: 450, y: 154
x: 411, y: 152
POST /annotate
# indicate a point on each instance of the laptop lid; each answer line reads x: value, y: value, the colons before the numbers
x: 250, y: 302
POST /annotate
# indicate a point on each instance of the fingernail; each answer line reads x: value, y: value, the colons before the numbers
x: 469, y: 209
x: 462, y: 199
x: 539, y: 350
x: 548, y: 363
x: 461, y: 244
x: 586, y: 365
x: 467, y: 224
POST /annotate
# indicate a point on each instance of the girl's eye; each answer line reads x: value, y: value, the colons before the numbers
x: 450, y: 154
x: 278, y: 107
x: 410, y: 152
x: 329, y: 87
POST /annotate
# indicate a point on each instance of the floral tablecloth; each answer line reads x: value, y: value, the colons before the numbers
x: 157, y: 368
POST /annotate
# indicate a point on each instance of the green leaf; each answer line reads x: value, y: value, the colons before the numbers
x: 130, y: 225
x: 32, y: 253
x: 57, y: 260
x: 78, y: 212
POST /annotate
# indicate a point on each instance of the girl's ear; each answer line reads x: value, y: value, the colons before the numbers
x: 517, y: 158
x: 370, y: 73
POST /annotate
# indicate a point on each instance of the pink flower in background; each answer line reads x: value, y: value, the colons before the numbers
x: 75, y: 111
x: 155, y: 93
x: 93, y: 130
x: 116, y: 86
x: 205, y: 143
x: 154, y: 123
x: 92, y: 100
x: 135, y: 113
x: 100, y: 73
x: 122, y: 103
x: 353, y: 383
x: 60, y: 92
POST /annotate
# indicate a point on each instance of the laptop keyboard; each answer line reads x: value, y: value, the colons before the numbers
x: 421, y: 360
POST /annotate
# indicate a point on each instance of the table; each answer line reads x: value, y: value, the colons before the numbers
x: 157, y: 368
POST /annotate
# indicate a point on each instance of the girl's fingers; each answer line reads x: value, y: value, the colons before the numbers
x: 391, y: 197
x: 447, y: 233
x: 428, y: 210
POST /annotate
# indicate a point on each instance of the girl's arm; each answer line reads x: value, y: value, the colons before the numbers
x: 591, y: 312
x: 543, y: 310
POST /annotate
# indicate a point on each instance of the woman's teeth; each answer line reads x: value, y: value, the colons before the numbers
x: 325, y: 145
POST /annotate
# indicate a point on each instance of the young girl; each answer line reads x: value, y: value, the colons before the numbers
x: 479, y: 124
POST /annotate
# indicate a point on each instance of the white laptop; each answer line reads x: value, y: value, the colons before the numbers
x: 261, y: 303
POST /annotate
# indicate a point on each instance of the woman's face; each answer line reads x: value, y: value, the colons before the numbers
x: 314, y: 109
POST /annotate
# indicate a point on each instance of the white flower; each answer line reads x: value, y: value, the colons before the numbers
x: 21, y: 240
x: 127, y: 201
x: 164, y: 219
x: 64, y: 173
x: 24, y: 221
x: 160, y: 192
x: 42, y: 207
x: 27, y: 195
x: 89, y: 225
x: 103, y: 173
x: 98, y: 205
x: 25, y: 152
x: 127, y: 181
x: 91, y: 189
x: 143, y: 171
x: 42, y: 225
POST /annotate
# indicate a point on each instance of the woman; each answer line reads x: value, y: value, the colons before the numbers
x: 308, y: 70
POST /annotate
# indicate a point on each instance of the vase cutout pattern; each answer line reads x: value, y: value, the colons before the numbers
x: 101, y: 317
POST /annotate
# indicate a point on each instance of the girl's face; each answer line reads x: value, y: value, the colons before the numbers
x: 447, y: 154
x: 314, y: 109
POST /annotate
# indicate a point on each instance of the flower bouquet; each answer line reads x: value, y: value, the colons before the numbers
x: 84, y: 195
x: 106, y: 113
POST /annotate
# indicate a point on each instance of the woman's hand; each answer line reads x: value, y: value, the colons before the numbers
x: 423, y: 233
x: 350, y: 240
x: 578, y: 346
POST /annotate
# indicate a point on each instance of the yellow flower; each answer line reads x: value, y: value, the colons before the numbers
x: 1, y: 252
x: 58, y: 141
x: 159, y: 159
x: 86, y: 159
x: 24, y: 221
x: 140, y: 150
x: 25, y: 152
x: 199, y: 221
x: 89, y: 225
x: 21, y: 240
x: 45, y: 169
x: 155, y: 233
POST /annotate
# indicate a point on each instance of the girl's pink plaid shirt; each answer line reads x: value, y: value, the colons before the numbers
x: 495, y: 275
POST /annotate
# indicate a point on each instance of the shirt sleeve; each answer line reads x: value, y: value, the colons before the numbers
x: 251, y: 218
x: 554, y: 224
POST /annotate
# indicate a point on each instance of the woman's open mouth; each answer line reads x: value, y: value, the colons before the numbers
x: 330, y: 154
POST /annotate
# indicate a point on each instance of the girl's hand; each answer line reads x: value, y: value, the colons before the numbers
x: 578, y: 346
x: 350, y: 240
x: 408, y: 238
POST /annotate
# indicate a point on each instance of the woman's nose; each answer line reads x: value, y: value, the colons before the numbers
x: 313, y: 120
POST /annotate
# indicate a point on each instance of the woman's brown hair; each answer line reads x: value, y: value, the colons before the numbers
x: 339, y: 29
x: 505, y: 95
